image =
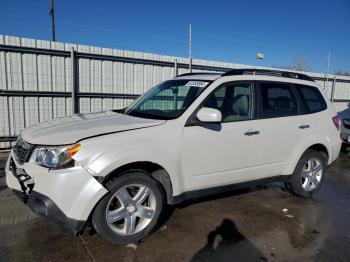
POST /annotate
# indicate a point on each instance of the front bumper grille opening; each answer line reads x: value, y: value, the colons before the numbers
x: 22, y: 150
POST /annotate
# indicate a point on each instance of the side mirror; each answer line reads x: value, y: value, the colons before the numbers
x: 209, y: 115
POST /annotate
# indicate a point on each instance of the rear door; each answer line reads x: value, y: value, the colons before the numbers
x: 283, y: 125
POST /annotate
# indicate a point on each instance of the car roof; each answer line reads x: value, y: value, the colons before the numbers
x: 247, y: 71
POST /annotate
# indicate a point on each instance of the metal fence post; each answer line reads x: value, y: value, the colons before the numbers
x: 333, y: 88
x: 74, y: 79
x: 176, y: 71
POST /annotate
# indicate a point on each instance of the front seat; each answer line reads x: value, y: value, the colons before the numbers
x: 240, y: 108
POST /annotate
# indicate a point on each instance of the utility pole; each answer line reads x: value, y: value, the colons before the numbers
x: 176, y: 70
x: 190, y: 50
x: 328, y: 66
x: 52, y: 14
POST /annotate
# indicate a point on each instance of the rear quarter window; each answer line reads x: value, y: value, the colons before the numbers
x: 311, y: 98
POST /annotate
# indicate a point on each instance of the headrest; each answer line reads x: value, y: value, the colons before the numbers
x: 281, y: 102
x: 240, y: 104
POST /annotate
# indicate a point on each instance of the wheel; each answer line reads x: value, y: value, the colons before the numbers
x: 131, y: 210
x: 308, y: 175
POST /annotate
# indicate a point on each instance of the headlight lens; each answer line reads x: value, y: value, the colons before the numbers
x: 54, y: 157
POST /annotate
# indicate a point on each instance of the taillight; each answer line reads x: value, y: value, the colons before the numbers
x: 336, y: 121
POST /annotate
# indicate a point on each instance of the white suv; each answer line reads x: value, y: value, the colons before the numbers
x: 194, y: 135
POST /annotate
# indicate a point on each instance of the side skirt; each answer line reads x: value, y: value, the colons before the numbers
x: 196, y: 194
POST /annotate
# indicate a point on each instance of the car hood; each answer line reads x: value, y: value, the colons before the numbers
x: 68, y: 130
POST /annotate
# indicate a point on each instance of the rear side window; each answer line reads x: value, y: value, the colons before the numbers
x: 312, y: 98
x: 277, y: 100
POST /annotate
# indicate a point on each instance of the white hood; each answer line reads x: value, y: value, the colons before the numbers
x: 68, y: 130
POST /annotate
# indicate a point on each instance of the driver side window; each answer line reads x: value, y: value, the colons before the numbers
x: 233, y: 100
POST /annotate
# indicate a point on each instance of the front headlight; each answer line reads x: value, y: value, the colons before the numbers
x: 54, y: 157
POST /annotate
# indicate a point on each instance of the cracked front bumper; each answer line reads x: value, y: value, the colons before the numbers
x: 67, y: 196
x: 44, y: 206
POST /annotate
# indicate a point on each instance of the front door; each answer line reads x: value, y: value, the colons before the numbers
x: 225, y: 153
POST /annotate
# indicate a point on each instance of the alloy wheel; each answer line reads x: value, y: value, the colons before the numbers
x: 131, y: 209
x: 311, y: 174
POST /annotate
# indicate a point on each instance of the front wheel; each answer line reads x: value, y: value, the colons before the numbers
x: 131, y: 210
x: 309, y: 174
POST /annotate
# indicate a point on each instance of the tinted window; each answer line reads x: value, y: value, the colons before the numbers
x: 278, y: 100
x: 312, y: 98
x: 234, y: 101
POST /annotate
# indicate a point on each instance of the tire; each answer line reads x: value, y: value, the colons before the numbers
x: 2, y: 176
x: 307, y: 181
x: 2, y: 181
x: 142, y: 211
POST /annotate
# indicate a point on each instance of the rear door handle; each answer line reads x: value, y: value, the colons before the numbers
x: 252, y: 133
x: 304, y: 126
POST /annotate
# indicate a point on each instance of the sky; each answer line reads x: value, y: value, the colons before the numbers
x: 230, y: 31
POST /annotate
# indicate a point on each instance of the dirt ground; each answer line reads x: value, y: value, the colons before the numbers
x: 261, y: 224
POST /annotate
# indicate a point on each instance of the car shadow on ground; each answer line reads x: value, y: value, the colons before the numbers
x: 226, y: 243
x: 170, y: 209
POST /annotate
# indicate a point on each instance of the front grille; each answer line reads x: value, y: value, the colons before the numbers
x: 346, y: 123
x: 22, y: 150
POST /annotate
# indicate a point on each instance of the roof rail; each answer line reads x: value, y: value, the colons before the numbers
x: 268, y: 72
x: 198, y: 73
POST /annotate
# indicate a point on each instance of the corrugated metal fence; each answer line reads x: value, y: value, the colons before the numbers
x: 40, y: 80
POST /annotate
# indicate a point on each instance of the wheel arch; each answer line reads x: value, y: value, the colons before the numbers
x: 155, y: 170
x: 320, y: 147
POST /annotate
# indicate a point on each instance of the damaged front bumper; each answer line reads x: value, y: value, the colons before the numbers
x: 66, y: 196
x: 44, y: 206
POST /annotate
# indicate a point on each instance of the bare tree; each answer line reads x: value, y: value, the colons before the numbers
x: 299, y: 64
x: 342, y: 73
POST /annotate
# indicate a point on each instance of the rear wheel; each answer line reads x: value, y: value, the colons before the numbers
x: 309, y: 174
x: 131, y: 210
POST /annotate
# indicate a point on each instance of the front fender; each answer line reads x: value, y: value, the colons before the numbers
x: 109, y: 161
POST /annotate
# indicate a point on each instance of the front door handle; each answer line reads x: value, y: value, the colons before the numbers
x: 304, y: 126
x: 252, y: 133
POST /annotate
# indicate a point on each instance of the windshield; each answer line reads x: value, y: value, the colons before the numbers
x: 167, y: 100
